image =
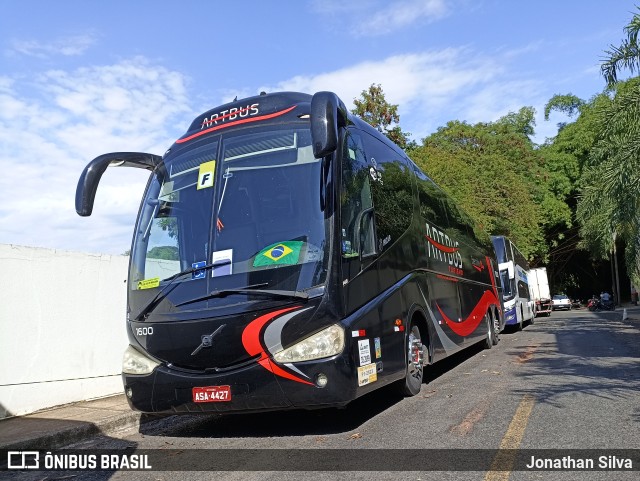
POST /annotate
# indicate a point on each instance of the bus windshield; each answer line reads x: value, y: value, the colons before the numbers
x: 249, y: 202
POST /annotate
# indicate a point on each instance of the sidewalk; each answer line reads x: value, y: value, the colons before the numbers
x: 72, y: 423
x: 60, y: 426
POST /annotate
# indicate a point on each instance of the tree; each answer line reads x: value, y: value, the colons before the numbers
x: 624, y: 56
x: 603, y: 143
x: 495, y: 173
x: 610, y: 189
x: 609, y: 201
x: 164, y: 252
x: 373, y: 108
x: 568, y: 104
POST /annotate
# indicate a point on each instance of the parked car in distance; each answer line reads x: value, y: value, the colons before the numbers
x: 561, y: 301
x: 576, y: 304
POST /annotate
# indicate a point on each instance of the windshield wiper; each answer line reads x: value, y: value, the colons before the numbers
x: 252, y: 289
x: 164, y: 292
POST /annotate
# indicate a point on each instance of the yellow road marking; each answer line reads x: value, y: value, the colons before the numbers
x: 502, y: 464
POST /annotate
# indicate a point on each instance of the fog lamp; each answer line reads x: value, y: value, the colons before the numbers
x: 321, y: 380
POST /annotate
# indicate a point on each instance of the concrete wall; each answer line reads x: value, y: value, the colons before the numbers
x: 62, y: 327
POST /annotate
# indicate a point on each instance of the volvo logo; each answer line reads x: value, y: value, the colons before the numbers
x: 207, y: 340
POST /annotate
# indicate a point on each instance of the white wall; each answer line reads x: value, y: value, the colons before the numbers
x: 62, y: 327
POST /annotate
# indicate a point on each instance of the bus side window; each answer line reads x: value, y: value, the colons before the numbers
x: 432, y: 208
x: 392, y: 191
x: 355, y: 199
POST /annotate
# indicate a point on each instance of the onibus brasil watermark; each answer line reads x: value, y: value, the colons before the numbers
x: 76, y: 461
x: 284, y: 459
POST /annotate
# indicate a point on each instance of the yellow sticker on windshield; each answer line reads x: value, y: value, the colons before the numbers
x: 149, y: 283
x: 206, y: 174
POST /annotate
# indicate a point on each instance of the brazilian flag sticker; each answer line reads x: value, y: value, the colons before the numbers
x: 282, y: 253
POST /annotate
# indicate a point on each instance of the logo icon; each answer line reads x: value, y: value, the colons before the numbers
x: 207, y: 340
x: 23, y: 460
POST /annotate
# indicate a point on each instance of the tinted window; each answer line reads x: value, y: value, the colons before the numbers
x: 431, y: 200
x: 355, y: 198
x: 391, y: 188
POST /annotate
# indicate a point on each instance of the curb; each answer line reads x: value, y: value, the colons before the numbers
x: 54, y: 439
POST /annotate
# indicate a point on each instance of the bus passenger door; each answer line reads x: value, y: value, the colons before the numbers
x: 357, y: 227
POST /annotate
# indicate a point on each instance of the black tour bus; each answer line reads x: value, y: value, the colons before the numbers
x: 288, y: 255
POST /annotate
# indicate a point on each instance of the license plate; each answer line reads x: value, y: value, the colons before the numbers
x: 211, y: 394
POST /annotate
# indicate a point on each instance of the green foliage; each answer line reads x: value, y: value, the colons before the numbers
x: 373, y: 108
x: 590, y: 171
x: 170, y: 225
x: 522, y: 121
x: 495, y: 173
x: 615, y: 159
x: 568, y: 104
x: 610, y: 182
x: 169, y: 253
x: 625, y: 56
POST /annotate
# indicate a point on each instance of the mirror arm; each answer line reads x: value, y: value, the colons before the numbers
x: 90, y: 177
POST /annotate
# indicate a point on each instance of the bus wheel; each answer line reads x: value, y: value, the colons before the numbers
x: 489, y: 339
x: 415, y: 367
x: 496, y: 328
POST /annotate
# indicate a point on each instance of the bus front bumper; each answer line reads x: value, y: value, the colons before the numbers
x: 252, y: 389
x: 510, y: 317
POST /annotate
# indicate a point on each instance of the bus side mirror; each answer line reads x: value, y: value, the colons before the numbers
x: 327, y: 114
x: 90, y: 177
x: 508, y: 266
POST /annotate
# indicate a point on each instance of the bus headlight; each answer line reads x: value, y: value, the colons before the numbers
x: 134, y: 362
x: 325, y: 343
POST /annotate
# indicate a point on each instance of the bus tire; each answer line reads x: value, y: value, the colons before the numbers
x: 488, y: 340
x: 496, y: 327
x: 415, y: 366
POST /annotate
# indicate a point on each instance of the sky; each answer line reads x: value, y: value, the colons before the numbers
x: 79, y: 79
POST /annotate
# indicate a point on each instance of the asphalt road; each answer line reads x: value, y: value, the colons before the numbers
x: 570, y: 381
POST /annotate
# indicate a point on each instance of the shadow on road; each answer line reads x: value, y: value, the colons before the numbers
x: 593, y: 353
x: 305, y: 422
x: 285, y: 423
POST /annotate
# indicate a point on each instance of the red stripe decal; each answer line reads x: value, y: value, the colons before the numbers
x: 237, y: 122
x: 441, y: 247
x: 447, y: 278
x: 253, y: 346
x: 251, y: 333
x: 278, y: 371
x: 470, y: 324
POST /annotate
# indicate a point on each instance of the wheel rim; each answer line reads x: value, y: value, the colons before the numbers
x: 415, y: 357
x: 496, y: 326
x: 490, y: 328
